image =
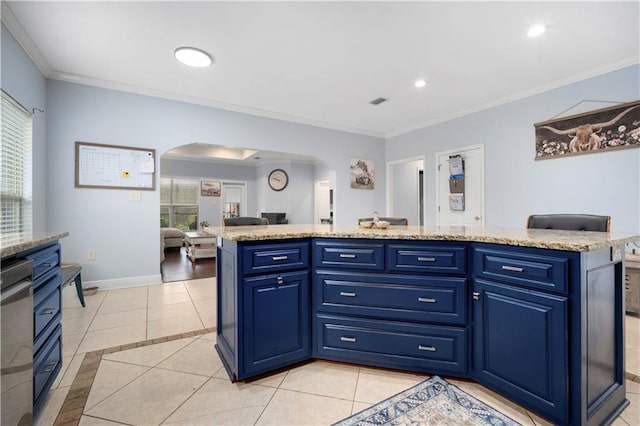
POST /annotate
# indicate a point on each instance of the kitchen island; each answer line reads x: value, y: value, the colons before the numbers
x: 537, y: 315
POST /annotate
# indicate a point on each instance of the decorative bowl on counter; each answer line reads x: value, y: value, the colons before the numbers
x: 381, y: 224
x: 366, y: 224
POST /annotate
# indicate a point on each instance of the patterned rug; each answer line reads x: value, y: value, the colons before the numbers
x: 432, y: 402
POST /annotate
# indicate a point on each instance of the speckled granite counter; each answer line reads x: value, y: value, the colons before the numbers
x: 579, y: 241
x: 16, y: 243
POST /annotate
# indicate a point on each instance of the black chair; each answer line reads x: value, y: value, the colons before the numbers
x: 391, y: 220
x: 276, y: 218
x: 570, y: 222
x: 244, y: 221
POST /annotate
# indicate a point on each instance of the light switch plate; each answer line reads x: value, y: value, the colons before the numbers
x: 135, y: 195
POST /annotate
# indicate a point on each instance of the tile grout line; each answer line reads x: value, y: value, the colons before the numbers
x: 76, y: 399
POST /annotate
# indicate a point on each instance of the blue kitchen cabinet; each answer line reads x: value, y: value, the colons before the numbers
x: 263, y: 306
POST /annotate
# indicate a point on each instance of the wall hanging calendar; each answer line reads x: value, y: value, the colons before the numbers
x: 600, y: 130
x: 114, y: 167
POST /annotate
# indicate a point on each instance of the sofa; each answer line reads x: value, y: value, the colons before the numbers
x: 276, y: 218
x: 172, y: 237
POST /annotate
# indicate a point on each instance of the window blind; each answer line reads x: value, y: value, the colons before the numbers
x: 15, y: 160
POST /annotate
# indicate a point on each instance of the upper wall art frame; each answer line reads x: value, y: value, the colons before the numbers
x: 210, y: 188
x: 362, y: 174
x: 595, y: 131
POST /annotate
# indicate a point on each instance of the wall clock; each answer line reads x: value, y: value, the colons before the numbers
x: 278, y: 179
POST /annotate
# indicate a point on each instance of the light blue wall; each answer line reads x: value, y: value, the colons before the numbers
x: 516, y: 185
x: 125, y: 234
x: 24, y: 82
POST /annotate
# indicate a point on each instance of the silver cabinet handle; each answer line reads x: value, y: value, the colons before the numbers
x: 280, y: 280
x: 476, y: 295
x: 48, y: 367
x: 348, y: 294
x: 512, y: 268
x: 347, y: 256
x: 47, y: 311
x: 279, y: 257
x: 426, y: 259
x: 427, y: 348
x: 48, y: 264
x: 426, y: 299
x: 348, y: 339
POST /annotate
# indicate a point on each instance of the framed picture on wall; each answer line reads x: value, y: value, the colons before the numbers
x: 210, y: 188
x: 362, y: 174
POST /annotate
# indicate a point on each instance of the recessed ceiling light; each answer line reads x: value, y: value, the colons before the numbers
x: 536, y: 30
x: 420, y: 83
x: 193, y: 57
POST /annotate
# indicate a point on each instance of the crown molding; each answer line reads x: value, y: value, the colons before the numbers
x: 14, y: 26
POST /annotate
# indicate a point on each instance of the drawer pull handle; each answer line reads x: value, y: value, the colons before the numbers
x: 48, y: 311
x: 48, y: 367
x: 347, y: 256
x: 279, y: 258
x: 280, y: 280
x: 48, y: 264
x: 426, y: 299
x: 348, y: 339
x: 426, y: 259
x: 348, y: 294
x: 427, y: 348
x: 512, y: 268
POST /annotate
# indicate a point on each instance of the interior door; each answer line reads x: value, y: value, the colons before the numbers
x: 405, y: 190
x: 234, y: 200
x: 472, y: 213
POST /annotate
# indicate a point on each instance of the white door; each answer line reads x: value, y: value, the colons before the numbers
x: 404, y: 189
x: 473, y: 212
x: 234, y: 199
x: 323, y: 212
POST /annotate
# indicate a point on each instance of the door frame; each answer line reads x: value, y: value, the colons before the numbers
x: 389, y: 195
x: 482, y: 174
x: 243, y: 203
x: 316, y: 198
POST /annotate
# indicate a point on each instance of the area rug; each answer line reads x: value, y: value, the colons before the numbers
x: 432, y: 402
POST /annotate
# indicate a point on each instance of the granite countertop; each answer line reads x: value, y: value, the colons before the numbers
x: 16, y: 243
x: 542, y: 238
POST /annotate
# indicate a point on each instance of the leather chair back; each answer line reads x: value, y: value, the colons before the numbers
x: 244, y: 221
x: 570, y: 222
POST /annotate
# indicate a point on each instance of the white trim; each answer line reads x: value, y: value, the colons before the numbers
x: 24, y: 41
x: 124, y: 282
x: 388, y: 207
x: 482, y: 189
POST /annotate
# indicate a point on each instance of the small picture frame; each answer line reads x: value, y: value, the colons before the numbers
x: 210, y: 188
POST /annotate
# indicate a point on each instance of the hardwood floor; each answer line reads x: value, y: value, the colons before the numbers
x: 178, y: 267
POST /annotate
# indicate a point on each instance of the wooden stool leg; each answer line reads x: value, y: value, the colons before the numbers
x: 78, y: 281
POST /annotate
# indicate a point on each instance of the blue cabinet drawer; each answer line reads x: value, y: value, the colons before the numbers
x: 415, y: 298
x: 427, y: 258
x: 275, y: 257
x: 524, y: 268
x: 392, y: 344
x: 46, y: 365
x: 47, y: 307
x: 44, y: 260
x: 349, y: 254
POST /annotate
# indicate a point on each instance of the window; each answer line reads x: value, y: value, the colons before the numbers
x: 179, y: 203
x: 15, y: 160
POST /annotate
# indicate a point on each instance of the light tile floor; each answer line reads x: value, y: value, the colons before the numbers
x: 183, y: 381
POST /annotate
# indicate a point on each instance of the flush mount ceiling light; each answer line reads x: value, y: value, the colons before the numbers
x: 536, y: 30
x: 420, y: 83
x: 193, y: 57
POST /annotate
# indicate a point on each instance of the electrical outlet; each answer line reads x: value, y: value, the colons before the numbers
x: 135, y: 195
x: 91, y: 254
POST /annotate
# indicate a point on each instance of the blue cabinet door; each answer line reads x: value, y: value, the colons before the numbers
x: 276, y: 329
x: 521, y: 346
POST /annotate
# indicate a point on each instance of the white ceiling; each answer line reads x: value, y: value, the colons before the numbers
x: 321, y: 63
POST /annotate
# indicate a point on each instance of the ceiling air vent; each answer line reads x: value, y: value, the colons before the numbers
x: 378, y: 101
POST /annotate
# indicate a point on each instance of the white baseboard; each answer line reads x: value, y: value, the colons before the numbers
x: 124, y: 282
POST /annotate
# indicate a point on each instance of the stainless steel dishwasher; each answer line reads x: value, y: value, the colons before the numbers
x: 16, y: 314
